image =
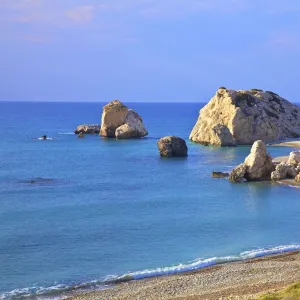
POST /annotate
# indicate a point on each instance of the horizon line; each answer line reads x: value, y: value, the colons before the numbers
x: 32, y: 101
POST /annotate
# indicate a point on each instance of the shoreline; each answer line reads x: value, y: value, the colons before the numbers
x: 293, y: 144
x: 244, y: 279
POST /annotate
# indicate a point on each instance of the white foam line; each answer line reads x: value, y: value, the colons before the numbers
x: 196, y: 265
x: 199, y: 264
x: 66, y: 133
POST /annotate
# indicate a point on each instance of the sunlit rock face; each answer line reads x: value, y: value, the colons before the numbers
x: 242, y: 117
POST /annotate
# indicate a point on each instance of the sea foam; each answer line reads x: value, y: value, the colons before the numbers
x: 61, y: 291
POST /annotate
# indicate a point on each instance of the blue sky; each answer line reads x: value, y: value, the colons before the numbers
x: 147, y: 50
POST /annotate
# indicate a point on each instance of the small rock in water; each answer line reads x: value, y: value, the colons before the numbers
x: 39, y: 180
x: 219, y: 175
x: 87, y: 129
x: 172, y: 146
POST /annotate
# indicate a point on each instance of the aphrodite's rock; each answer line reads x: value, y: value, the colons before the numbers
x: 282, y: 171
x: 259, y: 163
x: 219, y: 175
x: 172, y: 146
x: 248, y: 116
x: 87, y: 129
x: 238, y: 173
x: 294, y: 158
x: 133, y: 127
x: 219, y: 135
x: 113, y: 116
x: 257, y: 166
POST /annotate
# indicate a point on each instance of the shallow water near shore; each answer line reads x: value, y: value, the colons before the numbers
x: 77, y: 211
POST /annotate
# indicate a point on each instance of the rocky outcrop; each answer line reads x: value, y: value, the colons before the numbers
x: 120, y: 122
x: 282, y: 171
x: 87, y: 129
x: 259, y: 163
x: 257, y: 166
x: 238, y: 173
x: 172, y: 146
x: 297, y: 179
x: 219, y: 175
x: 294, y: 158
x: 133, y: 127
x: 113, y: 116
x: 242, y: 117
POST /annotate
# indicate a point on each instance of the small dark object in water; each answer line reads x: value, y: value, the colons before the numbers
x: 40, y: 180
x: 44, y: 137
x: 219, y: 175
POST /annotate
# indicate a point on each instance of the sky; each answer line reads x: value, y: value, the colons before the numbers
x: 147, y: 50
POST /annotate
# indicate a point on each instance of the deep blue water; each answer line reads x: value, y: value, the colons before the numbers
x: 113, y: 207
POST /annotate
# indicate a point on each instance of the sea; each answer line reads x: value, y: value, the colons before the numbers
x: 82, y: 214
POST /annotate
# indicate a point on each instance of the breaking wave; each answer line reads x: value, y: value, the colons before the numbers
x: 61, y: 291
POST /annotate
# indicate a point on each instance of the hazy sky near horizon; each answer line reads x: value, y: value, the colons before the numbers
x: 147, y: 50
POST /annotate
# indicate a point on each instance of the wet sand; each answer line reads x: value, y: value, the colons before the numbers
x: 236, y: 280
x: 295, y: 144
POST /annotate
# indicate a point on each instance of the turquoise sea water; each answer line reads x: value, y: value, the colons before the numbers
x: 103, y: 208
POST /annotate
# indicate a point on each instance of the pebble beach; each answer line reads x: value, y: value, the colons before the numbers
x: 236, y: 280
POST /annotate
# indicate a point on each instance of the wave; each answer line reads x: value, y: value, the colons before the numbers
x: 61, y: 291
x: 66, y: 133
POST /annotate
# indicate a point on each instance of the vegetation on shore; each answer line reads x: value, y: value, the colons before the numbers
x: 290, y: 293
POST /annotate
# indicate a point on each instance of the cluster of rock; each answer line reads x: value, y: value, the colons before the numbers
x: 245, y: 116
x: 259, y: 166
x: 87, y: 129
x: 172, y: 146
x: 120, y: 122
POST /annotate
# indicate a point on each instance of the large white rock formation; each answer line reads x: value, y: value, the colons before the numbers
x: 120, y: 122
x: 243, y: 117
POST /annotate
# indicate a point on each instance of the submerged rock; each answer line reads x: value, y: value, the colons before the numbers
x: 133, y: 127
x: 257, y: 166
x: 88, y: 129
x: 120, y: 122
x: 81, y: 135
x: 242, y: 117
x: 219, y: 175
x: 172, y: 146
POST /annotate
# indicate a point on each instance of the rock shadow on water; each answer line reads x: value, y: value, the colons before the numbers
x: 40, y: 181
